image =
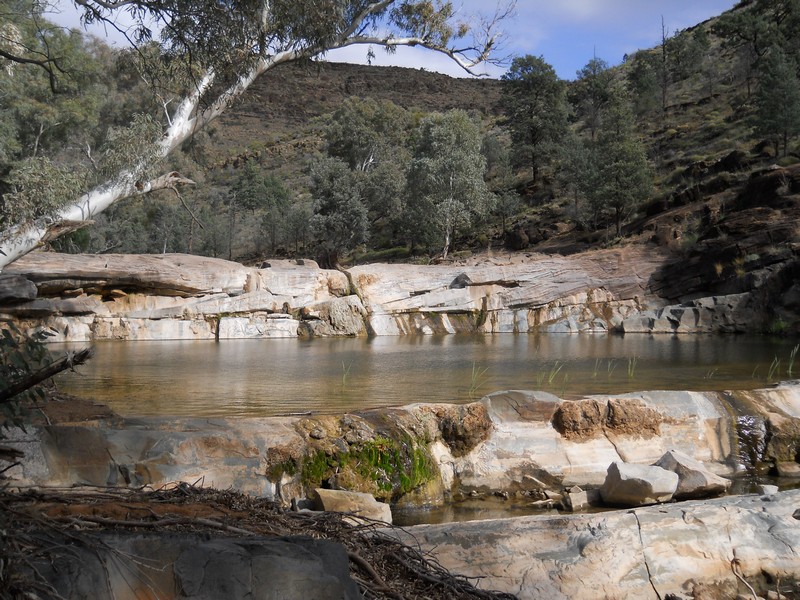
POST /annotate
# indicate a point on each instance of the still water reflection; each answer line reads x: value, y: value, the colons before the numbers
x: 270, y: 377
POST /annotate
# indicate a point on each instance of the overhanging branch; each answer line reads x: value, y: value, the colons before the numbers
x: 68, y: 361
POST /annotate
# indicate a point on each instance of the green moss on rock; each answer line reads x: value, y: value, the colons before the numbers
x: 384, y: 466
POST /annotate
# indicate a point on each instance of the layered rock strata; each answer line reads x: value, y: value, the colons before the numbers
x: 174, y: 296
x: 516, y: 443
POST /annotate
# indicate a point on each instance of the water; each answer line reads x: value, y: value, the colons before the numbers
x: 239, y: 378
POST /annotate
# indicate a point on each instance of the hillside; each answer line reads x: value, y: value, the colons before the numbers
x: 277, y: 116
x: 722, y: 204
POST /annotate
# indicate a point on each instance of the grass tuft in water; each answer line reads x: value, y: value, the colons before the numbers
x: 551, y: 377
x: 792, y: 356
x: 632, y: 366
x: 345, y: 374
x: 477, y: 379
x: 774, y: 367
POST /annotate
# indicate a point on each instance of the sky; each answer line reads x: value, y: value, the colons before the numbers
x: 567, y: 33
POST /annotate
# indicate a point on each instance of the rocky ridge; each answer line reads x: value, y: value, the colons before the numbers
x: 126, y: 297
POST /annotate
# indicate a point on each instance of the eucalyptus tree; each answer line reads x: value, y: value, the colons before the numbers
x: 373, y: 138
x: 256, y: 190
x: 215, y: 50
x: 339, y: 221
x: 446, y: 187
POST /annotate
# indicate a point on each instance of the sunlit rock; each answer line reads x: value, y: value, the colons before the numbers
x: 356, y: 503
x: 669, y: 550
x: 637, y: 485
x: 695, y: 481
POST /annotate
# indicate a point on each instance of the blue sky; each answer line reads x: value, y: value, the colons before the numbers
x: 569, y: 32
x: 566, y: 32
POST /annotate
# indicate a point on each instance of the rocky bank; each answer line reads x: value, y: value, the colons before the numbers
x: 511, y: 444
x: 527, y: 447
x: 156, y: 297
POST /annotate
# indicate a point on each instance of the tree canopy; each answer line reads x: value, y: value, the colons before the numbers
x: 535, y: 103
x: 446, y: 186
x: 208, y: 54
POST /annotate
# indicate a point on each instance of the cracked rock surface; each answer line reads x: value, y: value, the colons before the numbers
x: 646, y: 553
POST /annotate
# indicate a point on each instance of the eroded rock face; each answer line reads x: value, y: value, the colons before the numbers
x: 189, y: 297
x: 418, y: 454
x: 175, y: 296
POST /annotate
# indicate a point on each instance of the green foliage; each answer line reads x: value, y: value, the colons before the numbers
x: 20, y: 355
x: 373, y: 138
x: 575, y: 173
x: 135, y: 140
x: 339, y: 222
x: 446, y: 189
x: 428, y: 20
x: 687, y: 52
x: 394, y: 466
x: 620, y: 178
x: 366, y: 132
x: 40, y: 188
x: 778, y: 100
x: 535, y: 105
x: 643, y: 81
x: 591, y: 93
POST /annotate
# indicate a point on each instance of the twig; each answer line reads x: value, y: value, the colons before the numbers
x: 382, y: 587
x: 736, y: 567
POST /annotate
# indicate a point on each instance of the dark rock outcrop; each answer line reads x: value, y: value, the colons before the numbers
x: 171, y: 566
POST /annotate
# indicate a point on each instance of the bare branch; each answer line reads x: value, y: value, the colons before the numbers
x: 68, y: 361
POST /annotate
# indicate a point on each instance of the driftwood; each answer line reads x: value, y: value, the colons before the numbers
x: 382, y: 566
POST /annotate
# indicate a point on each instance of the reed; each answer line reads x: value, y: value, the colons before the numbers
x: 632, y: 366
x: 792, y: 356
x: 774, y: 367
x: 477, y: 379
x: 345, y: 374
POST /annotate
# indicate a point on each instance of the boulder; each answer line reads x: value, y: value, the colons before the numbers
x: 336, y: 317
x: 638, y: 485
x: 576, y: 498
x: 356, y: 503
x: 694, y: 480
x: 14, y: 288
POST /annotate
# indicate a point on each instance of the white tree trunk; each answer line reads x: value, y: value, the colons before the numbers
x: 190, y: 118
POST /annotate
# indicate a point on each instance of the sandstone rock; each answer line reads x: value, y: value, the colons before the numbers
x: 788, y: 469
x: 637, y: 485
x: 356, y: 503
x: 593, y: 292
x: 767, y: 490
x: 577, y: 499
x: 694, y: 480
x: 645, y: 553
x: 337, y: 317
x: 165, y: 274
x: 15, y: 288
x: 257, y: 326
